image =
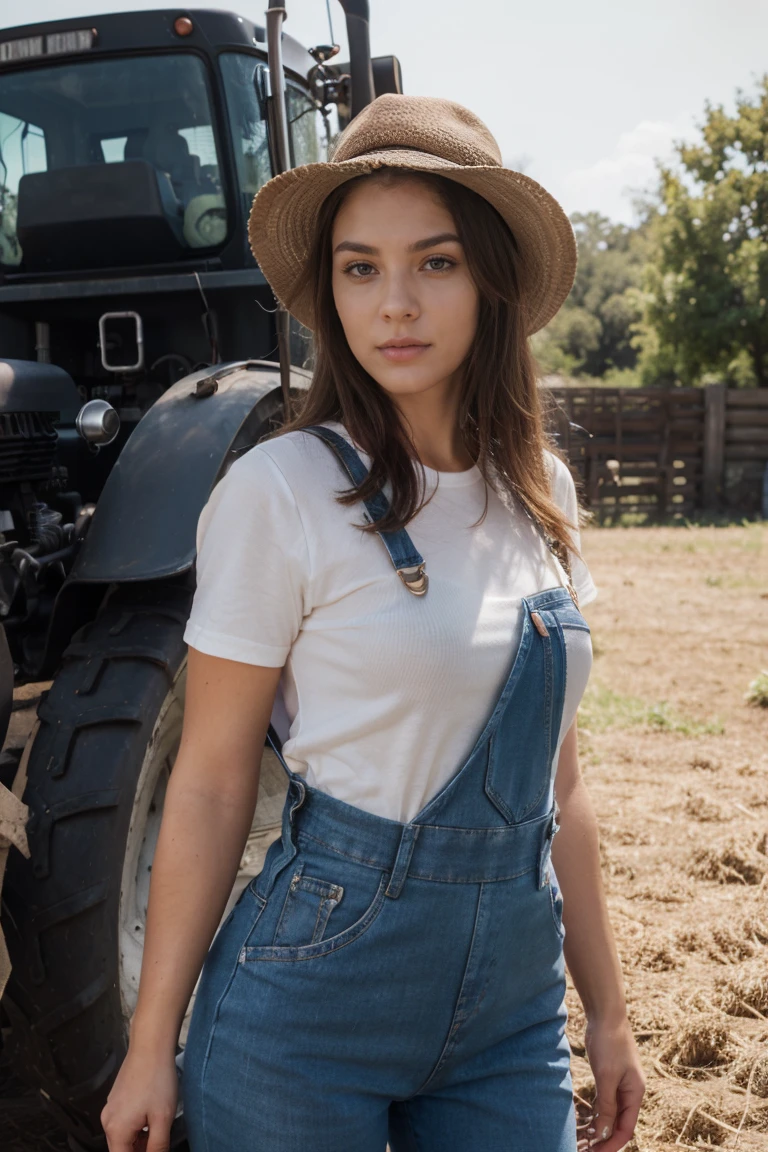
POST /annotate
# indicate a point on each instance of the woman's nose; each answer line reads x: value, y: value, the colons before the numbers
x: 399, y: 301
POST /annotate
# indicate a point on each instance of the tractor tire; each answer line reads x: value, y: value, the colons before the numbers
x: 74, y: 914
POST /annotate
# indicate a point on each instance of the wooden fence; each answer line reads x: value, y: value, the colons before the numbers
x: 665, y: 450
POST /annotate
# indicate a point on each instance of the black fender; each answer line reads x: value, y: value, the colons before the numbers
x: 146, y: 517
x: 145, y: 522
x: 6, y: 688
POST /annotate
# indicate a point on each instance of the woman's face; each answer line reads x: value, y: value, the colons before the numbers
x: 402, y: 288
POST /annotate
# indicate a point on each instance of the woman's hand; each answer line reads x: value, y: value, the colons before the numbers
x: 144, y: 1094
x: 619, y: 1080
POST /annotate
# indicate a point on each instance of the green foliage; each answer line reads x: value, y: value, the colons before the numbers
x: 757, y: 693
x: 602, y: 708
x: 706, y: 282
x: 592, y: 335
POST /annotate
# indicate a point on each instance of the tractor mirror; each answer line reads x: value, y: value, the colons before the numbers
x: 387, y: 76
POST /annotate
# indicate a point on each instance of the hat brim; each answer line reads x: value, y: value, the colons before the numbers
x: 284, y: 214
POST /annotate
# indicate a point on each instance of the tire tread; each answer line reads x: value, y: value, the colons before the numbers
x: 60, y: 908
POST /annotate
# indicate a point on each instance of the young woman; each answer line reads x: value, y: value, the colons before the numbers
x: 403, y: 564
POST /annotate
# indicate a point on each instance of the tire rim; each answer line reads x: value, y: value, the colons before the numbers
x: 144, y: 829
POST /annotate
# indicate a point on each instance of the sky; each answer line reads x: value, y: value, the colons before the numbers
x: 584, y: 96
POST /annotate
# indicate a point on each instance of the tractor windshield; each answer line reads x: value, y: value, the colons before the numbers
x: 61, y: 125
x: 309, y: 127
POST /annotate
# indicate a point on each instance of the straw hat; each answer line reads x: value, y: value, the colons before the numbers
x: 426, y: 134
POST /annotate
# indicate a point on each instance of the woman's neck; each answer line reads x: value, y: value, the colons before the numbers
x: 432, y: 422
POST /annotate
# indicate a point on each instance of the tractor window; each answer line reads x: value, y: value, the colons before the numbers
x: 22, y: 149
x: 243, y: 80
x: 113, y: 149
x: 60, y: 124
x: 309, y: 131
x: 308, y: 128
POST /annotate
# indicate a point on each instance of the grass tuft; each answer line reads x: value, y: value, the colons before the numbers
x: 602, y: 708
x: 757, y: 693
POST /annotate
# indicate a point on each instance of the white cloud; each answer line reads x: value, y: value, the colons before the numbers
x: 608, y: 185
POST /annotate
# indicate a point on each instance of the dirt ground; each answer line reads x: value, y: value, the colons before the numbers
x: 677, y: 765
x: 676, y: 761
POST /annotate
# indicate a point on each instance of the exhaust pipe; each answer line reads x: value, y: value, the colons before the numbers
x: 279, y: 115
x: 357, y: 15
x: 278, y: 125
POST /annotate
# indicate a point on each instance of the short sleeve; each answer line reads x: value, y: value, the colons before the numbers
x: 564, y: 494
x: 252, y: 566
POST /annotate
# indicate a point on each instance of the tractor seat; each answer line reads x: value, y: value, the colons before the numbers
x: 163, y: 147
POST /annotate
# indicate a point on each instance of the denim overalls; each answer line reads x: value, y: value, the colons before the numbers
x: 384, y: 982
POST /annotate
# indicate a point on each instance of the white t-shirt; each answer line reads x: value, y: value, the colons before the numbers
x: 383, y: 694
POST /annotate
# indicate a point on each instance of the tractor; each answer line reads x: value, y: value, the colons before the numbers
x: 138, y: 361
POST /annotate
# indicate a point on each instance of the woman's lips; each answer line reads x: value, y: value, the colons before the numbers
x: 400, y: 354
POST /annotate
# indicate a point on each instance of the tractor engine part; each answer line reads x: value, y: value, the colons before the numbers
x: 98, y: 422
x: 111, y: 331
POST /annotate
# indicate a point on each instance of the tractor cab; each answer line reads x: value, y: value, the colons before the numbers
x: 141, y: 141
x: 131, y: 146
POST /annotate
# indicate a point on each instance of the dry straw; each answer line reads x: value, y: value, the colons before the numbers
x: 735, y: 860
x: 744, y: 992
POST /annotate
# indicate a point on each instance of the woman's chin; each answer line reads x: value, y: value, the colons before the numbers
x: 406, y: 380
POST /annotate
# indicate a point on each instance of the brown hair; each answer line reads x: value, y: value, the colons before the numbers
x: 500, y: 415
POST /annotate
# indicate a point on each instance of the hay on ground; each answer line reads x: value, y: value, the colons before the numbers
x: 745, y: 991
x: 654, y: 954
x: 673, y: 891
x: 726, y: 942
x: 705, y: 763
x: 750, y: 1069
x: 734, y: 861
x: 684, y: 1115
x: 702, y: 808
x: 702, y: 1043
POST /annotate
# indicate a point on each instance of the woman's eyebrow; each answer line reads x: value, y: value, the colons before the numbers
x: 418, y: 246
x: 354, y: 246
x: 441, y: 238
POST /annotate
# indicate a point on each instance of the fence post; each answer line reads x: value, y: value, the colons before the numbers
x: 714, y: 446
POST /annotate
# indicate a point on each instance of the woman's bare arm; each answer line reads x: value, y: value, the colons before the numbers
x: 590, y: 950
x: 592, y: 958
x: 208, y: 811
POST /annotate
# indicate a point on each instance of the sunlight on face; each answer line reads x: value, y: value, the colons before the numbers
x: 402, y: 288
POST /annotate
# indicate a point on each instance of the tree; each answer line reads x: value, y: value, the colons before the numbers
x: 706, y: 284
x: 593, y: 332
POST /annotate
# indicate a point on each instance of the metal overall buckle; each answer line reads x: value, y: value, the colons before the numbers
x: 415, y: 578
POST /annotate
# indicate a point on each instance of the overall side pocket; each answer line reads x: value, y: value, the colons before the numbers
x: 318, y: 905
x: 307, y: 908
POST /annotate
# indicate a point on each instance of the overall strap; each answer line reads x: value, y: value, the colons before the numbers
x: 406, y: 560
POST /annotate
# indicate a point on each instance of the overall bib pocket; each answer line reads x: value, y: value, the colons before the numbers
x: 520, y: 748
x: 315, y: 908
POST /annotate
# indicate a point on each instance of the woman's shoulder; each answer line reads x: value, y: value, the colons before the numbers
x: 561, y: 482
x: 295, y: 458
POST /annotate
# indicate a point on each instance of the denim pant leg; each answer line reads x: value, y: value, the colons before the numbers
x: 514, y: 1097
x: 310, y: 1021
x: 277, y: 1053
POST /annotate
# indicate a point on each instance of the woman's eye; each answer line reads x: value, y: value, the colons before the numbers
x: 360, y: 269
x: 438, y: 263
